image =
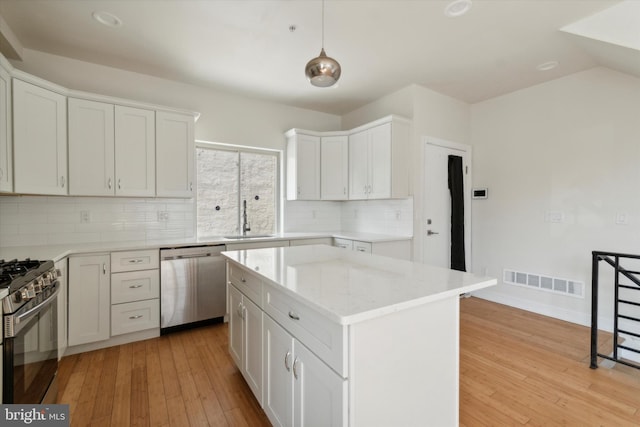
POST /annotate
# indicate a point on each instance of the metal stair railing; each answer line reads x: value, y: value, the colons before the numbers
x: 613, y: 259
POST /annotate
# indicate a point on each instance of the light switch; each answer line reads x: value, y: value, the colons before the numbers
x: 554, y: 216
x: 622, y: 218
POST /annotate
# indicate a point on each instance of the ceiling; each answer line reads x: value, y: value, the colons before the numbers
x: 247, y: 47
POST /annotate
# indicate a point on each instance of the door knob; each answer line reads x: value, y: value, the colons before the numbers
x: 430, y: 233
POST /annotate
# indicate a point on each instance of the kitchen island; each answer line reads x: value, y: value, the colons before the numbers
x: 325, y: 336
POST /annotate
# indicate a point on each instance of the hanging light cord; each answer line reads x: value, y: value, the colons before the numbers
x: 323, y: 24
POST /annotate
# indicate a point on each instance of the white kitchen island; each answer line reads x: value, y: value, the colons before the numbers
x: 327, y: 337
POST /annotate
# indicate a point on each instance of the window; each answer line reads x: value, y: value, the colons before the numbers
x: 227, y: 176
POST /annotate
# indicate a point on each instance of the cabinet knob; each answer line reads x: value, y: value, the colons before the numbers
x: 191, y: 186
x: 109, y: 184
x: 138, y: 316
x: 62, y: 180
x: 119, y: 186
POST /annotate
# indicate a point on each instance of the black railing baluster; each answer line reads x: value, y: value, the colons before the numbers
x: 631, y: 275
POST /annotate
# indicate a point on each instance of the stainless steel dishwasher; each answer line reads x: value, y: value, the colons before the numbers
x: 192, y: 287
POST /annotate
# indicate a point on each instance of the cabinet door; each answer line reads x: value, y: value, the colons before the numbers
x: 334, y: 167
x: 252, y: 354
x: 380, y: 162
x: 303, y: 168
x: 175, y: 151
x: 320, y: 395
x: 278, y: 381
x: 235, y: 326
x: 358, y: 165
x: 135, y: 151
x: 91, y: 148
x: 39, y: 140
x: 89, y: 305
x: 6, y: 152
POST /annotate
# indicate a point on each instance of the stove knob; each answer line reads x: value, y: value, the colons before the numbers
x: 31, y: 292
x: 46, y: 278
x: 38, y: 285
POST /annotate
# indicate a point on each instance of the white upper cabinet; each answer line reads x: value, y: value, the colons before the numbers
x: 6, y: 153
x: 91, y: 148
x: 334, y: 167
x: 39, y: 140
x: 135, y: 151
x: 175, y: 151
x: 303, y: 166
x: 378, y: 161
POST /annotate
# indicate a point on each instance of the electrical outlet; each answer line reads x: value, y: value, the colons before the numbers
x: 622, y: 218
x: 398, y: 214
x: 554, y: 216
x: 85, y: 216
x: 163, y: 216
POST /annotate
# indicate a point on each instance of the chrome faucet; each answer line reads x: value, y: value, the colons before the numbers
x: 245, y: 225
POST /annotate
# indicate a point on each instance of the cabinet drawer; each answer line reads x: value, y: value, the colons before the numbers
x: 247, y: 283
x: 135, y: 316
x: 135, y: 286
x: 325, y: 338
x: 134, y: 260
x: 343, y: 243
x: 362, y: 246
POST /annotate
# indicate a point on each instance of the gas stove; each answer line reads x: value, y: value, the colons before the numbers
x: 25, y: 280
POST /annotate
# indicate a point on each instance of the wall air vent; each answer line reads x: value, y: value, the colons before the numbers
x: 540, y: 282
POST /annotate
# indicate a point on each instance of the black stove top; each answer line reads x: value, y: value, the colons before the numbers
x: 15, y: 274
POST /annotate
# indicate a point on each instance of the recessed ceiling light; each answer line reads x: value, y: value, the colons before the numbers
x: 546, y: 66
x: 108, y: 19
x: 457, y: 8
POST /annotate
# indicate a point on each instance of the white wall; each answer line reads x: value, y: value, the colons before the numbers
x: 572, y: 146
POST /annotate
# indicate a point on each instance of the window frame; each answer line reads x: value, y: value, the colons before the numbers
x: 235, y: 148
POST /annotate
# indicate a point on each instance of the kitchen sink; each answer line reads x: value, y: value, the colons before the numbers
x: 251, y: 236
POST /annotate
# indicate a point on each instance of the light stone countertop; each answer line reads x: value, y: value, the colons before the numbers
x: 348, y: 286
x: 59, y: 252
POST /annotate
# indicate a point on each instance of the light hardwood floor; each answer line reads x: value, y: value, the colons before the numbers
x: 516, y: 368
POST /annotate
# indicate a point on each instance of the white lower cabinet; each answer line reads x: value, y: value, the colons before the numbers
x: 300, y: 390
x: 245, y: 339
x: 89, y: 305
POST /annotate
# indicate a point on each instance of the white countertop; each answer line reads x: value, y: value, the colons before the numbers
x: 350, y: 287
x: 58, y: 252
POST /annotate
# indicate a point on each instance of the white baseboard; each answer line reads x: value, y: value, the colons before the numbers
x: 572, y: 316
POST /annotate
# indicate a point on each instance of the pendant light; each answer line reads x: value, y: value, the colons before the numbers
x: 322, y: 71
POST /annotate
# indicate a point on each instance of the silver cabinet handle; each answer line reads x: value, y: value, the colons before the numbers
x: 286, y: 361
x: 135, y: 317
x: 62, y: 181
x: 109, y: 183
x: 295, y: 370
x: 344, y: 190
x: 136, y: 261
x: 294, y: 316
x: 104, y: 268
x: 431, y: 233
x: 191, y: 186
x: 298, y: 191
x: 239, y: 310
x: 135, y: 286
x: 119, y: 186
x: 360, y: 250
x: 243, y: 280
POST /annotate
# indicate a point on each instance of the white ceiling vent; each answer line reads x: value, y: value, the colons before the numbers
x: 540, y: 282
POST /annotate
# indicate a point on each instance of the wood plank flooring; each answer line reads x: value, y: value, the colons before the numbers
x: 516, y: 368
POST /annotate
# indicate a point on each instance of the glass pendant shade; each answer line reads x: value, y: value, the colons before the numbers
x: 323, y: 71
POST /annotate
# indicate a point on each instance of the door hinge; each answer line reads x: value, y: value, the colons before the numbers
x: 466, y: 170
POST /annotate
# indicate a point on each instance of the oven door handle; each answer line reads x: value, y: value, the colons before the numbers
x: 16, y: 320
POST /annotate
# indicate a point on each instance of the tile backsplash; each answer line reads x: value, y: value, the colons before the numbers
x: 41, y: 220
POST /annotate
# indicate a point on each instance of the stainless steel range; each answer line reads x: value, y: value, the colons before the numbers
x: 30, y: 331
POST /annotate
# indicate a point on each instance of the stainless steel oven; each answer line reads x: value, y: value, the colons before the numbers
x: 30, y: 345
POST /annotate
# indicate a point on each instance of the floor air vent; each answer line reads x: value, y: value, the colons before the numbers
x: 545, y: 283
